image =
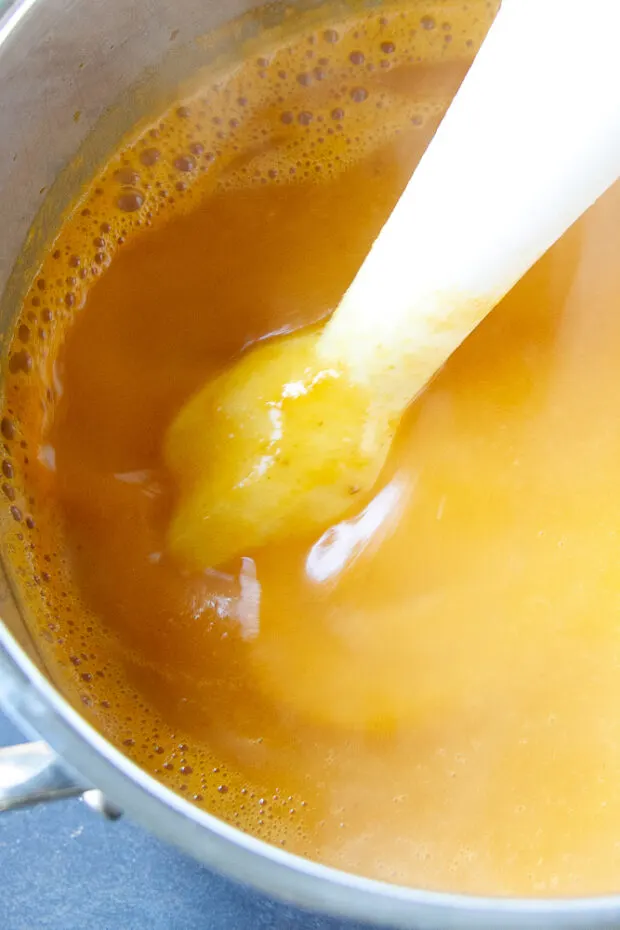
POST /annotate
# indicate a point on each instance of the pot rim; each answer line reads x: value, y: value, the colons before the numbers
x: 35, y: 705
x: 41, y: 711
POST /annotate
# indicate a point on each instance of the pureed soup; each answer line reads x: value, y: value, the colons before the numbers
x: 429, y: 692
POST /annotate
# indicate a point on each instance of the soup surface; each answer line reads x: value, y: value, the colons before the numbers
x: 429, y: 692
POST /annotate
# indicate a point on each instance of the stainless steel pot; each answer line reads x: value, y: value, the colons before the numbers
x: 66, y: 66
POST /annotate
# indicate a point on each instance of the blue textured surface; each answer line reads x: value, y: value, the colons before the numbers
x: 62, y: 867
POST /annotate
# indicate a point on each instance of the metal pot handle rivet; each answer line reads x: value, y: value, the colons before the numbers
x: 30, y: 773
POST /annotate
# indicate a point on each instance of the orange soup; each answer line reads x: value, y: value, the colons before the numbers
x: 428, y: 692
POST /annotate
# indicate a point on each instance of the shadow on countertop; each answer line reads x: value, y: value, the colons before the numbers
x: 64, y: 868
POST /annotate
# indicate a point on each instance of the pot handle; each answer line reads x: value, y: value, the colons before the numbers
x: 30, y: 773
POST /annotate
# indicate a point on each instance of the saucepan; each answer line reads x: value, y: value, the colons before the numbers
x: 75, y: 75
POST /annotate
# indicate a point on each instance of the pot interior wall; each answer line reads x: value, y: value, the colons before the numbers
x: 75, y: 77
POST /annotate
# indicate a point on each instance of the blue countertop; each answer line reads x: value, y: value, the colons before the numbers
x: 62, y: 867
